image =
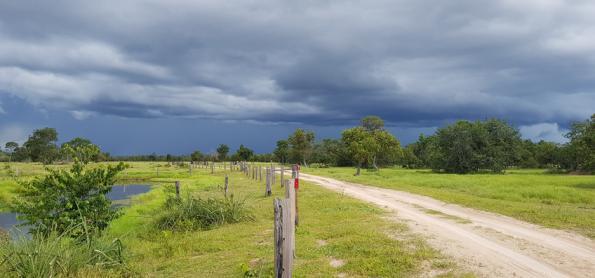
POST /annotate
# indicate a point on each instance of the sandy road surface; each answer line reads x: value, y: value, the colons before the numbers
x: 487, y: 244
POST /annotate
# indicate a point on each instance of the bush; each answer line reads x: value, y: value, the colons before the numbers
x: 69, y: 198
x: 187, y: 214
x: 57, y: 256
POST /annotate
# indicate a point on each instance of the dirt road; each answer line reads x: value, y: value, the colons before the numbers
x: 487, y: 244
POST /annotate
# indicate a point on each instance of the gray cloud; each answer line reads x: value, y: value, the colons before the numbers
x: 319, y: 62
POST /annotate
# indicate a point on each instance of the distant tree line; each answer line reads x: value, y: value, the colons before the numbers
x: 462, y: 147
x: 41, y: 146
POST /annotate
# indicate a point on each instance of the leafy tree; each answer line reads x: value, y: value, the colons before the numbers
x: 79, y: 142
x: 360, y: 145
x: 72, y: 201
x: 10, y: 148
x: 222, y: 151
x: 281, y: 152
x: 459, y: 147
x: 465, y: 147
x: 328, y: 152
x: 387, y: 148
x: 504, y: 143
x: 244, y: 153
x: 301, y: 144
x: 409, y: 160
x: 195, y: 156
x: 372, y: 123
x: 546, y: 154
x: 581, y: 147
x: 41, y: 145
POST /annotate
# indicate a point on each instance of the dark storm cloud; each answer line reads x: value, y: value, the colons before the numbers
x: 415, y: 63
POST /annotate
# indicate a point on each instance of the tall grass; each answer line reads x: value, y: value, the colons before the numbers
x: 57, y: 256
x: 191, y: 213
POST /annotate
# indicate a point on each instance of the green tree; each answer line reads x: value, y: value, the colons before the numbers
x: 581, y: 147
x: 360, y: 145
x: 41, y: 145
x: 222, y: 152
x: 372, y: 123
x: 327, y: 152
x: 465, y: 147
x: 79, y: 142
x: 72, y: 201
x: 244, y: 153
x: 10, y: 148
x: 281, y: 152
x: 301, y: 144
x: 546, y: 154
x: 195, y: 156
x: 387, y: 148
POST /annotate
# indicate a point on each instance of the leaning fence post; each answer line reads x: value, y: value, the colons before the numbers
x: 178, y: 189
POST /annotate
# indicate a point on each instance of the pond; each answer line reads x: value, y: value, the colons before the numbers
x: 120, y: 195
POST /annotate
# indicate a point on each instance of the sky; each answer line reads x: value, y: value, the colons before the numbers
x: 174, y: 76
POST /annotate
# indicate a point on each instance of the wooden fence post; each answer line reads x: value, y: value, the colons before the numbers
x: 283, y: 237
x: 178, y: 189
x: 212, y: 167
x: 268, y: 184
x: 226, y: 185
x: 282, y: 175
x: 190, y: 168
x: 290, y: 195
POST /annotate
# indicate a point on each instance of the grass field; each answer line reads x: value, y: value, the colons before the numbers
x: 332, y: 227
x: 556, y: 201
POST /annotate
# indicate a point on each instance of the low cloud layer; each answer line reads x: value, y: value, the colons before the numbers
x: 415, y: 63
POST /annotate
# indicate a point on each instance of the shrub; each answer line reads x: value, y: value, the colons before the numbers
x: 56, y: 255
x: 190, y: 213
x: 69, y: 198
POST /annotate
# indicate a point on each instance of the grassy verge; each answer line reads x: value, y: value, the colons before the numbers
x: 333, y: 228
x: 556, y: 201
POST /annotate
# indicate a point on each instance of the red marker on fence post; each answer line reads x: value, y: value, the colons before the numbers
x: 296, y: 185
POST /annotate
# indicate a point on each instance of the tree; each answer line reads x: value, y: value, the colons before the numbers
x: 195, y: 156
x: 386, y: 148
x: 72, y: 201
x: 504, y: 144
x: 327, y: 152
x: 465, y: 147
x: 581, y: 147
x: 301, y: 144
x: 10, y: 148
x: 281, y: 152
x: 244, y: 153
x: 222, y: 151
x: 41, y: 145
x: 79, y: 142
x: 360, y: 145
x: 372, y: 123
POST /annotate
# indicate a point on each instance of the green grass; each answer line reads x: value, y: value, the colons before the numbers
x: 332, y: 226
x: 552, y: 200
